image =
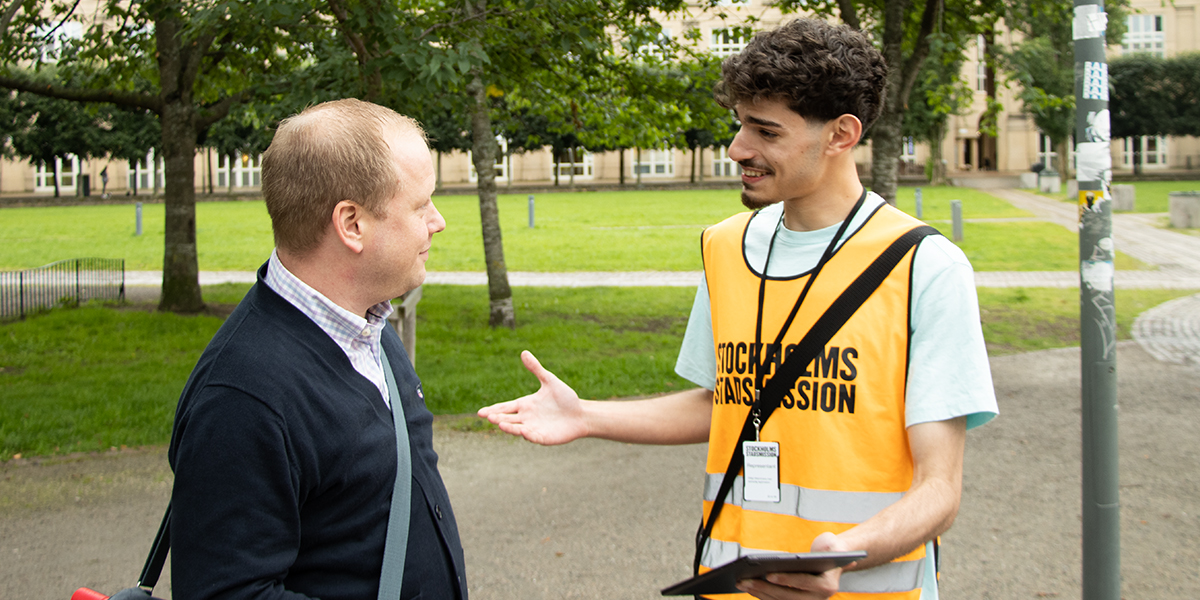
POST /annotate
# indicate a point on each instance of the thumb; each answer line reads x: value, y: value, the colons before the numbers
x: 828, y: 542
x: 531, y: 363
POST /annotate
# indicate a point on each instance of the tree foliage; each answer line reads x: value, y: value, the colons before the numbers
x: 904, y: 31
x: 186, y: 61
x: 1044, y: 63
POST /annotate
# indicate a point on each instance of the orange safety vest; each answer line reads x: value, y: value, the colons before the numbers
x: 844, y: 452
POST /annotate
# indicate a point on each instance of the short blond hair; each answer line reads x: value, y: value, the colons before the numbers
x: 327, y: 153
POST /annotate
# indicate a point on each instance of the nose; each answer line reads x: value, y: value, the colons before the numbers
x: 739, y: 149
x: 437, y: 223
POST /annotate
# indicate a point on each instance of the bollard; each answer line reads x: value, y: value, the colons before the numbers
x: 531, y: 211
x: 920, y: 212
x: 956, y: 218
x: 138, y: 230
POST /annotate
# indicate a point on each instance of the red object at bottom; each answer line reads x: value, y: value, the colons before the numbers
x: 87, y: 594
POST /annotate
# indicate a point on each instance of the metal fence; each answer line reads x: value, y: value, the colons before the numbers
x: 64, y: 282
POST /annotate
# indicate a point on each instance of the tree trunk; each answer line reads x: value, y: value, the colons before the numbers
x: 637, y: 167
x: 571, y: 156
x: 483, y: 153
x: 208, y: 157
x: 1137, y: 155
x: 885, y: 153
x: 700, y: 162
x: 1064, y: 165
x: 692, y: 179
x: 54, y: 170
x: 621, y: 166
x: 886, y: 136
x: 181, y: 272
x: 438, y: 184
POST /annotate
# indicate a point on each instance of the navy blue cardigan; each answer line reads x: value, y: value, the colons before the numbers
x: 285, y: 459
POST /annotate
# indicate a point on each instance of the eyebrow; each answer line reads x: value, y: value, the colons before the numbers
x: 757, y: 121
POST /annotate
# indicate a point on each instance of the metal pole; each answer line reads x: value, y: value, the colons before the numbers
x: 920, y: 211
x: 531, y: 211
x: 1097, y: 314
x: 956, y: 219
x: 138, y: 230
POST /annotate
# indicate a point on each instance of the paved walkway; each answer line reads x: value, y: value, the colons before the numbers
x: 1170, y: 332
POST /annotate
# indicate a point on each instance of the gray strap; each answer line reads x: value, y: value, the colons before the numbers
x: 396, y: 546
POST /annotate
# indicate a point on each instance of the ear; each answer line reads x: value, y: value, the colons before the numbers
x: 844, y: 133
x: 349, y: 225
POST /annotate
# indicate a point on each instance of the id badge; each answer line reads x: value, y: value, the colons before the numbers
x: 761, y: 481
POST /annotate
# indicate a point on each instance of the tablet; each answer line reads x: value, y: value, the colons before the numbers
x: 724, y: 578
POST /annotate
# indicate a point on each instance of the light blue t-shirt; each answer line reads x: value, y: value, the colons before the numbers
x: 948, y: 376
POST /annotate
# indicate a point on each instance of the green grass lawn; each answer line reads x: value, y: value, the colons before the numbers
x: 96, y: 377
x: 1150, y: 196
x: 1153, y: 196
x: 585, y: 231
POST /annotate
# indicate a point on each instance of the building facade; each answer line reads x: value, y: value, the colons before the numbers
x: 1164, y: 29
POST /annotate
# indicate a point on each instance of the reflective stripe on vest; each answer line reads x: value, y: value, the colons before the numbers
x: 808, y: 504
x: 888, y: 578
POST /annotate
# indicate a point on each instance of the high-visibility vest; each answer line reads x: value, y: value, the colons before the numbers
x: 844, y: 453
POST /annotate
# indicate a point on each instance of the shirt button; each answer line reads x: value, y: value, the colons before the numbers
x: 365, y: 332
x: 437, y: 509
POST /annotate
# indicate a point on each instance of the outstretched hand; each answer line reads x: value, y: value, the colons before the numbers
x: 552, y: 415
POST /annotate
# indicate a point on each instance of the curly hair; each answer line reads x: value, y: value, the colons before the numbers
x: 821, y: 71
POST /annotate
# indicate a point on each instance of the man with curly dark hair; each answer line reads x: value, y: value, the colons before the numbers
x: 864, y: 450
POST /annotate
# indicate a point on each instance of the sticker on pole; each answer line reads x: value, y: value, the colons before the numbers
x: 1089, y: 22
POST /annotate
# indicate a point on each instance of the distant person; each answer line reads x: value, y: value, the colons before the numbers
x: 869, y: 441
x: 284, y: 450
x: 104, y: 182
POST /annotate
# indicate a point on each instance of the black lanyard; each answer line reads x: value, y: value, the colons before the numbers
x: 760, y: 366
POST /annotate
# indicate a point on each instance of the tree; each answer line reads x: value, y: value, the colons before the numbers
x: 129, y: 134
x: 1044, y: 64
x: 938, y: 93
x: 243, y: 131
x: 202, y: 59
x: 1152, y: 96
x: 1139, y: 100
x: 712, y: 125
x: 46, y: 129
x: 904, y: 31
x: 506, y: 43
x: 447, y: 132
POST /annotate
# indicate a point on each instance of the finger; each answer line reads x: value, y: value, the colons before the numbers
x: 510, y: 428
x: 498, y: 408
x: 531, y: 363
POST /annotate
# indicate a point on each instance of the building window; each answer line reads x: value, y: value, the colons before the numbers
x: 240, y: 171
x: 729, y: 41
x: 1144, y: 36
x: 68, y: 168
x: 723, y: 166
x: 1154, y: 151
x: 577, y: 161
x: 56, y: 38
x: 1046, y: 154
x: 908, y: 149
x: 657, y: 49
x: 654, y: 163
x: 980, y: 63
